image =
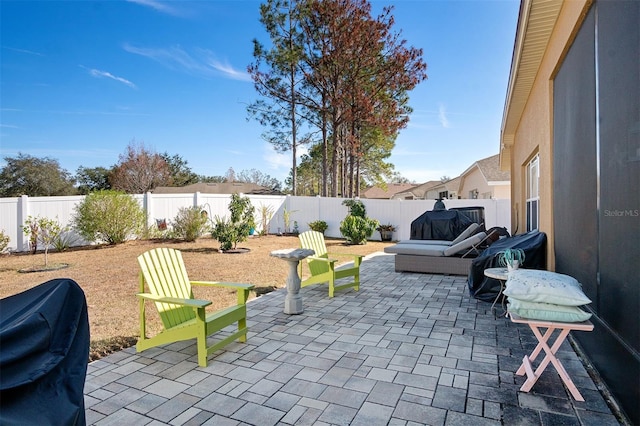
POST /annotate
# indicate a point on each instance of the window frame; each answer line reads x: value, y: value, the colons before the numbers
x: 532, y: 196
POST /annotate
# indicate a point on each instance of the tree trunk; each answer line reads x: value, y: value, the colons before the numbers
x: 325, y: 148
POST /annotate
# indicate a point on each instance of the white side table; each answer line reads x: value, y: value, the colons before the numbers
x: 293, y: 299
x: 500, y: 274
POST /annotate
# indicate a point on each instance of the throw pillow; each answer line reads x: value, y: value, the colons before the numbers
x: 547, y: 311
x: 533, y: 285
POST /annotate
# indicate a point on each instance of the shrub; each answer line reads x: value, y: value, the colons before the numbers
x: 226, y: 233
x: 357, y: 227
x: 30, y: 228
x: 65, y: 240
x: 190, y: 223
x: 43, y: 230
x: 4, y: 241
x: 266, y: 213
x: 356, y: 208
x: 318, y: 226
x: 229, y: 232
x: 286, y: 218
x: 109, y: 216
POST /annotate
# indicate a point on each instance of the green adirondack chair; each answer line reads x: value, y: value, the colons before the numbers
x: 323, y: 268
x: 184, y: 317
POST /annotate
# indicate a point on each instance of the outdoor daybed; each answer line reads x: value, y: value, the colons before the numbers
x: 436, y: 257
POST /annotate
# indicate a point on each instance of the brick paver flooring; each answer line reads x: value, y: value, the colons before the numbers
x: 407, y: 349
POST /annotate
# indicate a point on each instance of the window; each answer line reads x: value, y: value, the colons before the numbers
x: 443, y: 194
x: 473, y: 194
x: 533, y: 196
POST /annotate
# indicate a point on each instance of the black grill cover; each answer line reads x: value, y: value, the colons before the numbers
x: 439, y: 225
x: 533, y: 243
x: 476, y: 213
x: 44, y: 341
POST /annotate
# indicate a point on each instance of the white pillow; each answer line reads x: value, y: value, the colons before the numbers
x: 533, y: 285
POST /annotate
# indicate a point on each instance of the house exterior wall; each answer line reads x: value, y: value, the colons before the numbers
x: 592, y: 226
x: 501, y: 192
x: 474, y: 180
x: 534, y: 132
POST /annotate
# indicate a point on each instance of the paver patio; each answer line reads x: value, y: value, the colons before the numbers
x: 406, y: 349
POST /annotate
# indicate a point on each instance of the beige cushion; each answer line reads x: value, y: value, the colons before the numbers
x: 465, y: 244
x: 466, y: 233
x: 416, y: 249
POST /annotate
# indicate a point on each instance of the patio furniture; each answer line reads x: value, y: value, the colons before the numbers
x: 184, y: 317
x: 420, y: 256
x: 501, y: 275
x: 323, y: 268
x: 550, y: 351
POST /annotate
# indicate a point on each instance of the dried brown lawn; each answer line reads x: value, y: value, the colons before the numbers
x: 109, y: 277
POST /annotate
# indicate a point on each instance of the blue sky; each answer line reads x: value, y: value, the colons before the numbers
x: 80, y: 80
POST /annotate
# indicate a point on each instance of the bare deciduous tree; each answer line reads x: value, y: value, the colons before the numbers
x: 140, y: 170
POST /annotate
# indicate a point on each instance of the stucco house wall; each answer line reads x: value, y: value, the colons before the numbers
x: 474, y: 180
x: 589, y: 243
x: 533, y: 135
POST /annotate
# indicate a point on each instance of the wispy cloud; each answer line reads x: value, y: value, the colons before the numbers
x: 280, y: 162
x: 28, y: 52
x: 442, y: 117
x: 100, y: 74
x: 159, y: 6
x: 202, y: 62
x: 228, y: 70
x: 9, y: 126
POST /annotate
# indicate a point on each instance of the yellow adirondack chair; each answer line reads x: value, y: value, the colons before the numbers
x: 323, y: 269
x: 184, y: 317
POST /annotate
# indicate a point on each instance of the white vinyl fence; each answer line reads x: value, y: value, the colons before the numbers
x: 14, y: 211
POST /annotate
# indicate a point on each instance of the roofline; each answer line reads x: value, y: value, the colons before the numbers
x: 536, y: 21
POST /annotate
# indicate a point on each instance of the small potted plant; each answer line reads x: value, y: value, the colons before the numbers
x: 511, y: 258
x: 318, y: 226
x: 386, y: 231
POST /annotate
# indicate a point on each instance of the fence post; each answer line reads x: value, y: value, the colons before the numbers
x: 22, y: 244
x: 148, y: 209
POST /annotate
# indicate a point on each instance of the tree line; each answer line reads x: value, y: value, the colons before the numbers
x: 337, y: 79
x: 139, y: 169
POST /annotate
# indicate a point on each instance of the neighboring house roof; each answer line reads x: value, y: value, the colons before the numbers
x: 453, y: 185
x: 490, y: 169
x: 418, y: 191
x: 217, y: 188
x: 392, y: 189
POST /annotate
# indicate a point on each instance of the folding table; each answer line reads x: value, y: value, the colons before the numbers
x: 550, y: 357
